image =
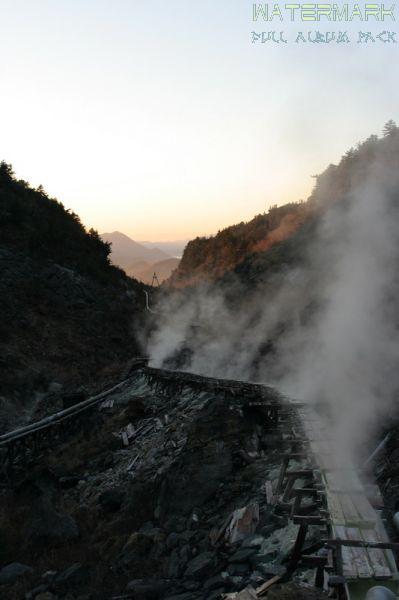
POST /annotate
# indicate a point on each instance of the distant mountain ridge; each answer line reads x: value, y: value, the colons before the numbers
x: 138, y: 260
x: 174, y: 248
x: 125, y: 252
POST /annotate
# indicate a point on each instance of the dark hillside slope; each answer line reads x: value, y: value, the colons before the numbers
x: 207, y: 259
x: 67, y: 315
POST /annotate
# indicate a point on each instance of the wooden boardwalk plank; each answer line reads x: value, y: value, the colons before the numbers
x: 364, y: 568
x: 335, y: 508
x: 348, y: 559
x: 377, y: 557
x: 364, y: 508
x: 352, y: 516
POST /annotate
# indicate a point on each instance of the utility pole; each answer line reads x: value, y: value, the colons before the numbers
x: 155, y: 280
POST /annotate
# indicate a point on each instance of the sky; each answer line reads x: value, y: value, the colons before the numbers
x: 161, y: 118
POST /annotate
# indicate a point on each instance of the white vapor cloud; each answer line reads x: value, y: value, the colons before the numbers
x: 325, y: 331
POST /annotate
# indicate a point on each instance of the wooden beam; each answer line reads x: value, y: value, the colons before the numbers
x: 307, y: 492
x: 301, y: 473
x: 308, y: 520
x: 362, y: 544
x: 313, y: 561
x: 263, y: 589
x: 288, y: 489
x: 299, y: 542
x: 295, y: 455
x: 283, y: 470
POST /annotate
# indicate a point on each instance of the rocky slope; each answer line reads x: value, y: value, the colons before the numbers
x: 150, y: 516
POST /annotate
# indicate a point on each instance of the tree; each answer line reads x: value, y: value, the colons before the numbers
x: 6, y: 172
x: 41, y: 191
x: 390, y: 128
x: 349, y: 155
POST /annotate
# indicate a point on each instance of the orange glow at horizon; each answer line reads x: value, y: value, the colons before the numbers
x: 166, y: 125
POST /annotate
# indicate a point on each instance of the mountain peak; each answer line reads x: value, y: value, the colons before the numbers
x: 117, y: 234
x: 125, y: 252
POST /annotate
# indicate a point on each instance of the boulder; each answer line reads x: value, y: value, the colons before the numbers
x: 49, y: 575
x: 242, y: 555
x: 138, y: 543
x: 147, y: 526
x: 236, y: 582
x: 185, y: 554
x: 243, y: 523
x: 142, y: 552
x: 253, y: 541
x: 140, y: 503
x: 14, y: 571
x: 39, y: 590
x: 69, y: 481
x: 46, y: 596
x: 74, y: 577
x: 172, y: 541
x: 51, y: 527
x: 191, y: 586
x: 174, y: 567
x: 267, y: 530
x: 175, y: 523
x: 147, y: 589
x: 238, y: 569
x: 248, y: 594
x: 216, y: 594
x: 270, y: 570
x: 263, y: 557
x: 216, y: 582
x: 200, y: 566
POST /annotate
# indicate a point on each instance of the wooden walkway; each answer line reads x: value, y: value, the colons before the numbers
x: 361, y: 546
x: 24, y: 442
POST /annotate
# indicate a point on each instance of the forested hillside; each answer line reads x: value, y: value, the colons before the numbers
x: 259, y: 240
x: 210, y: 258
x: 67, y: 315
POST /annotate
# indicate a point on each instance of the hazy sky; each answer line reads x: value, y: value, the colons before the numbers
x: 159, y: 118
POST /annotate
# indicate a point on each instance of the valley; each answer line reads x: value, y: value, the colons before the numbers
x: 234, y: 438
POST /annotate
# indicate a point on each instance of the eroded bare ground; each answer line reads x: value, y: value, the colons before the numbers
x: 143, y: 500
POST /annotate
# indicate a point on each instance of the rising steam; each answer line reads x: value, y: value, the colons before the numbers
x: 325, y: 330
